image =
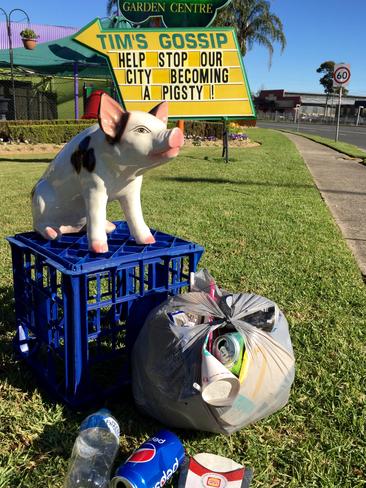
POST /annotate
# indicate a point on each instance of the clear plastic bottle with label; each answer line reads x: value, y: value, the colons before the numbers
x: 94, y: 452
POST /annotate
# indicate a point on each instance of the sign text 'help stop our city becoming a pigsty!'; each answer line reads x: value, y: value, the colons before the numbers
x: 199, y: 66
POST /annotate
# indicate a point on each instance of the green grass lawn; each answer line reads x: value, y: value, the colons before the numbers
x: 266, y: 230
x: 343, y: 147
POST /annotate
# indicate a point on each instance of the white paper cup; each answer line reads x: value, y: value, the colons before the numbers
x: 219, y: 387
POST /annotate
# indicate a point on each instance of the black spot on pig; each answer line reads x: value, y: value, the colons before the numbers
x: 84, y: 144
x: 76, y: 160
x: 89, y: 160
x: 83, y: 157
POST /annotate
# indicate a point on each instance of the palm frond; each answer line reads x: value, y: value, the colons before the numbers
x: 112, y: 6
x: 254, y: 24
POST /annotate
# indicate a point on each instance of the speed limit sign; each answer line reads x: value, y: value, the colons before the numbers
x: 341, y: 74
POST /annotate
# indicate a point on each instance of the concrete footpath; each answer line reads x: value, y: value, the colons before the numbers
x: 341, y: 181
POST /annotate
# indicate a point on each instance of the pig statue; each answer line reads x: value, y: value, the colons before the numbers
x: 103, y: 163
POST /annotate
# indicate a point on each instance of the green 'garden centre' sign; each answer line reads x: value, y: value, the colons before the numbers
x: 174, y: 13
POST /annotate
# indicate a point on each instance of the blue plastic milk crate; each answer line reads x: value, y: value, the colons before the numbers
x: 77, y: 312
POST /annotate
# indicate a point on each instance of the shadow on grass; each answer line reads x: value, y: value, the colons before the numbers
x: 341, y: 192
x: 6, y: 307
x: 58, y: 437
x: 217, y: 159
x: 191, y: 179
x: 14, y: 371
x: 57, y: 440
x: 25, y: 160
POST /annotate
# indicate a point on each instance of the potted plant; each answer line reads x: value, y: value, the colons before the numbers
x: 29, y: 38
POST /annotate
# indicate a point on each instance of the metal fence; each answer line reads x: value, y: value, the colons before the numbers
x: 356, y: 119
x: 31, y: 102
x: 39, y: 98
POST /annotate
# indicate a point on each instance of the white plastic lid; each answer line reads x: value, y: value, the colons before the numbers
x: 222, y: 392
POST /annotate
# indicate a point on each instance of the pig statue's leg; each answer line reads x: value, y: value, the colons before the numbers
x: 109, y: 227
x: 131, y: 206
x: 96, y: 198
x: 49, y: 217
x: 43, y: 200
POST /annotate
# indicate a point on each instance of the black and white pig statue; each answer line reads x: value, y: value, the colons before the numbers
x: 103, y: 163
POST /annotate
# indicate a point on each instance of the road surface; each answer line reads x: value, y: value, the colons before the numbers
x: 347, y: 133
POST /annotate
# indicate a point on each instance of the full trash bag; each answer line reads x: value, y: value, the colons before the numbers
x: 176, y: 376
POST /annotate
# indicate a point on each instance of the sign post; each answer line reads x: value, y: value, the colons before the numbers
x: 339, y: 113
x: 341, y: 77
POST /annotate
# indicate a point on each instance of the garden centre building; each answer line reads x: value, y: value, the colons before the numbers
x: 50, y: 80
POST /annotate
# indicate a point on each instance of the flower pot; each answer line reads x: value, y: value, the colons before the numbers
x: 29, y: 43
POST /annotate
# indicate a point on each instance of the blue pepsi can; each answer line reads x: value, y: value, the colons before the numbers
x: 152, y: 464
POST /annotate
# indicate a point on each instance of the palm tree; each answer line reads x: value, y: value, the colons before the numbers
x: 112, y: 7
x: 254, y: 23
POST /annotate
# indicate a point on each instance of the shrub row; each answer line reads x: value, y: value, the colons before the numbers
x: 204, y: 129
x: 60, y: 131
x: 48, y: 122
x: 42, y: 133
x: 246, y: 123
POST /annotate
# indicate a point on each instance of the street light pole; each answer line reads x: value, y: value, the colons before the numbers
x: 11, y: 54
x: 298, y: 106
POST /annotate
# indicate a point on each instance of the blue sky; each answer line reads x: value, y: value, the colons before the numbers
x: 316, y: 31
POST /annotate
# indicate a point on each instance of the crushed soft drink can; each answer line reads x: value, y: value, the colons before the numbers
x: 152, y: 464
x: 229, y: 350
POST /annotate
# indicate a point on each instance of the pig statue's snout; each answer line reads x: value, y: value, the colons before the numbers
x: 175, y: 142
x: 169, y: 146
x: 176, y: 138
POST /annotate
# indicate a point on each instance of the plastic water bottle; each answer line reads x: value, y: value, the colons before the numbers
x: 94, y: 452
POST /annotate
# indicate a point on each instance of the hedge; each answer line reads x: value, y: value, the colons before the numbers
x: 60, y: 131
x: 201, y: 128
x: 52, y: 132
x: 50, y: 122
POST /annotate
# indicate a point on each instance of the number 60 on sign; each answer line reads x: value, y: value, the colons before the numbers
x: 341, y: 74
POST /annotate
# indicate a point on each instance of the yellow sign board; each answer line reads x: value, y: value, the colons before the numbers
x: 200, y: 72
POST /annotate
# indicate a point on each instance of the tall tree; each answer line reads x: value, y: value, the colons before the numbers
x: 254, y: 24
x: 327, y: 79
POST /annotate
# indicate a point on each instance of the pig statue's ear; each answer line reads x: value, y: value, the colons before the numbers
x: 161, y: 112
x: 112, y: 118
